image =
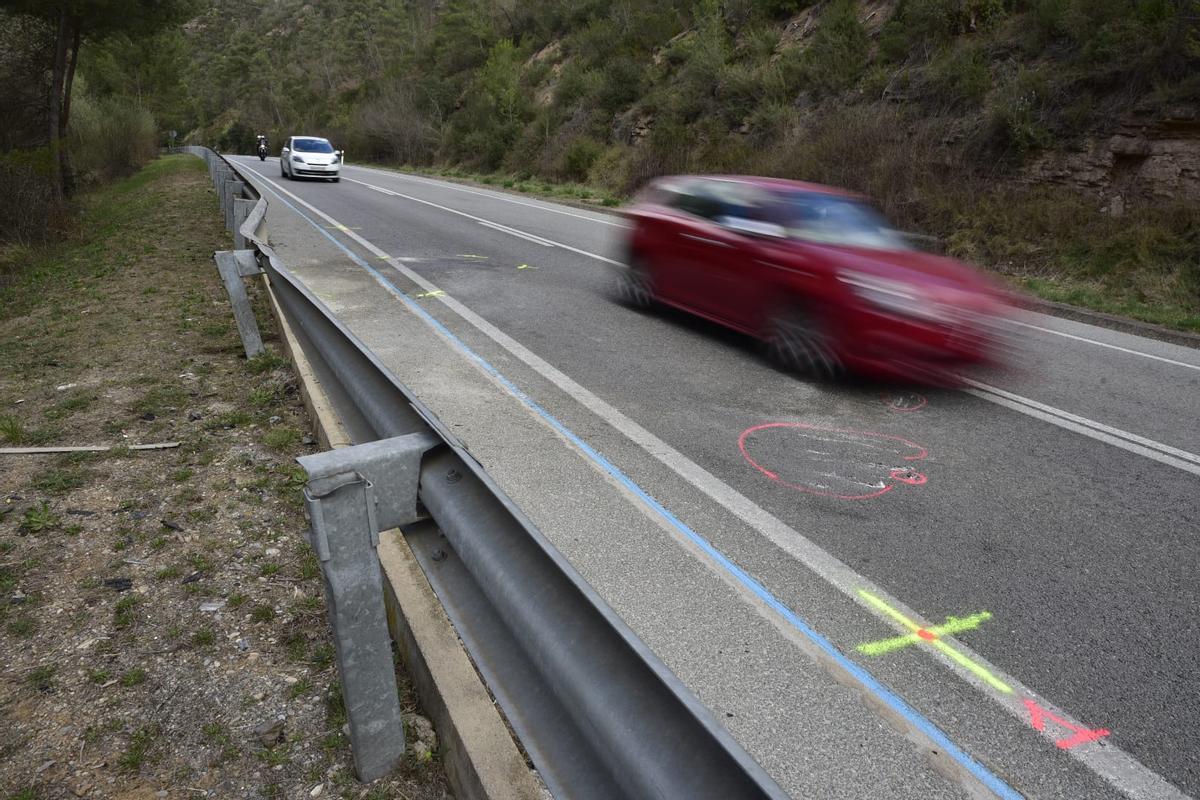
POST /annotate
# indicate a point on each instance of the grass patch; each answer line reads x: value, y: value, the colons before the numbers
x: 282, y: 438
x: 134, y: 677
x: 99, y: 676
x: 267, y: 361
x: 203, y: 638
x: 138, y: 750
x: 42, y: 678
x: 262, y: 613
x: 60, y: 480
x: 22, y: 627
x: 123, y: 615
x: 72, y: 403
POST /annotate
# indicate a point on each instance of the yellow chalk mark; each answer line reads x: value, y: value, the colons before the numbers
x: 434, y: 293
x: 933, y: 636
x: 975, y: 669
x: 471, y: 255
x: 526, y: 266
x: 341, y: 227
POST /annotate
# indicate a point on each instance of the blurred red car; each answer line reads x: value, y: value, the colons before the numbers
x: 815, y: 273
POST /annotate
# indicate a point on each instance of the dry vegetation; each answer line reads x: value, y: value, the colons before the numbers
x: 157, y: 606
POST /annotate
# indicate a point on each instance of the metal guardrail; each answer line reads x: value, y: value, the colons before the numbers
x: 599, y: 714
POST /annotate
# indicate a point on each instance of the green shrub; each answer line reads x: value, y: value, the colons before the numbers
x: 960, y: 77
x: 579, y: 157
x: 837, y: 56
x: 110, y: 137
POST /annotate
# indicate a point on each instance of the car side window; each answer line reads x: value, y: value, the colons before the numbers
x: 698, y: 200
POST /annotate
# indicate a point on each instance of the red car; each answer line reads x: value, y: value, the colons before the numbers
x: 814, y: 272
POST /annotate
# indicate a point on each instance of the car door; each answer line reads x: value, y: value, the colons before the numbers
x: 697, y: 242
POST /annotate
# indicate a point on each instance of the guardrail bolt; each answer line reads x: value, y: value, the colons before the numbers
x: 439, y: 555
x: 453, y: 476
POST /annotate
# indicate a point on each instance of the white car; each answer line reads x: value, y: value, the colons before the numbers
x: 309, y: 157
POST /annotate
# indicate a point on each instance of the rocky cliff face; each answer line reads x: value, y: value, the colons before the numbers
x: 1150, y: 157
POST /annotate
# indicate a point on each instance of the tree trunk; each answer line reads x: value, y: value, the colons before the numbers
x: 70, y: 79
x: 68, y: 173
x: 57, y: 77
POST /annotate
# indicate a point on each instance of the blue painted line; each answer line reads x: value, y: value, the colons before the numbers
x: 890, y: 698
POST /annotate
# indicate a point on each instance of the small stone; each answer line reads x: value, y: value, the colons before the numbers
x: 259, y: 696
x: 316, y: 790
x: 161, y: 793
x: 274, y: 419
x: 290, y: 680
x: 243, y: 645
x: 195, y: 416
x: 270, y: 732
x: 272, y: 552
x: 171, y: 524
x: 148, y: 416
x: 65, y: 386
x: 45, y: 766
x: 212, y: 605
x: 307, y: 439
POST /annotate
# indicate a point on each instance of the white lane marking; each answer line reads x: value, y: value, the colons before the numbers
x: 483, y: 221
x: 1109, y: 762
x: 1065, y: 335
x: 1162, y: 453
x: 529, y: 237
x: 492, y: 196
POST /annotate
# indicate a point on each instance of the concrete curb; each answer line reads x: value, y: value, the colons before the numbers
x: 482, y: 761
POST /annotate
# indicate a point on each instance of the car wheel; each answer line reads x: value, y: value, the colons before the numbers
x: 335, y: 180
x: 796, y: 341
x: 635, y: 286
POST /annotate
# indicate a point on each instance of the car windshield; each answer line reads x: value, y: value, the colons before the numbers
x: 311, y: 146
x: 830, y: 219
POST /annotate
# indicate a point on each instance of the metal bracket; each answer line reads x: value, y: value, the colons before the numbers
x: 352, y: 494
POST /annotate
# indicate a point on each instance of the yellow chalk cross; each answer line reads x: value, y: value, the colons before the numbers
x: 933, y: 635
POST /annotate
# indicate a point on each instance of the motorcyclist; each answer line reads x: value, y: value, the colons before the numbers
x: 261, y: 146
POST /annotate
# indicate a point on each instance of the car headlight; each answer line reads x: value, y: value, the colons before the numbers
x: 895, y: 297
x: 297, y: 158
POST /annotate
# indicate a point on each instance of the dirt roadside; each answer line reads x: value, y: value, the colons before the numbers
x: 162, y: 627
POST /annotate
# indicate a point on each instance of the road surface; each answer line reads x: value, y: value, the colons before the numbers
x: 1016, y: 562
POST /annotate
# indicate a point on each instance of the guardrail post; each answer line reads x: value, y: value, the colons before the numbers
x: 352, y: 494
x: 233, y: 190
x: 243, y: 314
x: 241, y: 211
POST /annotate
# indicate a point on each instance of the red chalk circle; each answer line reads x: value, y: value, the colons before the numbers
x: 831, y: 462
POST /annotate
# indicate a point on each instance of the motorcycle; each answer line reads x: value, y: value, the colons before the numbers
x: 262, y: 152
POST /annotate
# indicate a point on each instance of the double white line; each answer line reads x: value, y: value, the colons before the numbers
x: 1157, y: 451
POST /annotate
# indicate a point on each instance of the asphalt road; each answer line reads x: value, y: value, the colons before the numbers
x: 1061, y: 498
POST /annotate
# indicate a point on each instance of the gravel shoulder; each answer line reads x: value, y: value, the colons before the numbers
x: 162, y: 622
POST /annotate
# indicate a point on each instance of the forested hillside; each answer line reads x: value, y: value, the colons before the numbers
x: 1047, y: 138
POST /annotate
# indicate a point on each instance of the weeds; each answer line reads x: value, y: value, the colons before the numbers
x: 38, y: 519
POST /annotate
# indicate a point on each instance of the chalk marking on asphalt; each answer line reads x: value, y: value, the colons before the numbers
x: 1118, y: 768
x: 932, y: 635
x: 526, y: 266
x: 492, y: 196
x: 447, y: 209
x: 1157, y: 451
x: 1118, y: 348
